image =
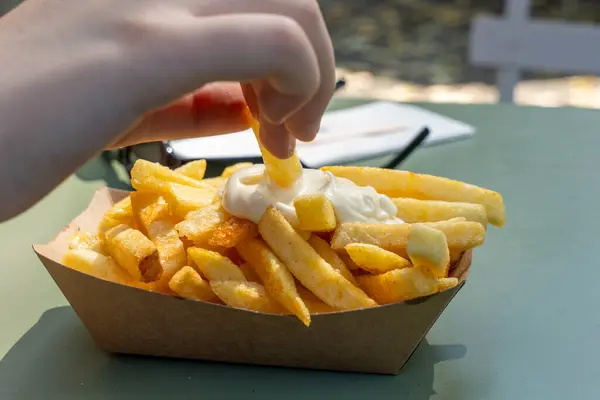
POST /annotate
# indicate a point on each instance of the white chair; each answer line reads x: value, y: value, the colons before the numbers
x: 515, y: 42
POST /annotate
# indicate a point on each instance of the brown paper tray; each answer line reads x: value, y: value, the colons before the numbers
x: 124, y: 319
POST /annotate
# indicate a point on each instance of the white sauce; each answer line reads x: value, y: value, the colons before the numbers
x: 248, y: 193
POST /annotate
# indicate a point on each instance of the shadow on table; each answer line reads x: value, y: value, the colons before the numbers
x: 100, y: 169
x: 57, y: 357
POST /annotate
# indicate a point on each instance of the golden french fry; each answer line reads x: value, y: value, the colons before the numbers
x: 216, y: 183
x: 86, y: 241
x: 348, y: 262
x: 96, y: 264
x: 148, y: 208
x: 414, y: 210
x: 375, y: 259
x: 460, y: 235
x: 152, y: 177
x: 199, y: 225
x: 278, y: 281
x: 303, y: 234
x: 231, y: 232
x: 394, y: 183
x: 315, y: 213
x: 246, y: 295
x: 189, y: 284
x: 183, y: 199
x: 193, y: 169
x: 250, y: 273
x: 119, y: 214
x: 171, y: 251
x: 282, y: 172
x: 214, y: 266
x: 428, y: 250
x: 446, y: 283
x: 232, y: 169
x: 332, y: 258
x: 307, y: 266
x: 134, y: 252
x: 312, y: 302
x: 398, y: 285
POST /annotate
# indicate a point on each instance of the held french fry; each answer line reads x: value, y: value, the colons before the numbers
x: 332, y: 258
x: 307, y: 266
x: 134, y: 252
x: 193, y: 169
x: 246, y: 295
x: 199, y: 225
x: 282, y: 172
x: 86, y: 241
x: 232, y: 169
x: 428, y: 250
x: 414, y: 210
x: 214, y: 266
x: 315, y: 213
x: 394, y: 183
x: 460, y: 235
x: 277, y: 280
x: 188, y: 284
x: 119, y: 214
x: 398, y: 285
x: 232, y: 231
x: 96, y: 264
x: 375, y: 259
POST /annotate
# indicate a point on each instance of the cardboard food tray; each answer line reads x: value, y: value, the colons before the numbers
x: 124, y: 319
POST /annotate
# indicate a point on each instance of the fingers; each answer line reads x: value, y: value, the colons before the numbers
x: 212, y: 110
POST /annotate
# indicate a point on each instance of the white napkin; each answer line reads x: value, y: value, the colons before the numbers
x: 346, y: 135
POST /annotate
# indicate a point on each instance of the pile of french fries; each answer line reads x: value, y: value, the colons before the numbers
x: 173, y: 236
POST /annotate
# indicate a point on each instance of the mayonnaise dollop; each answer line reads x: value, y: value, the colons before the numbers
x: 248, y: 193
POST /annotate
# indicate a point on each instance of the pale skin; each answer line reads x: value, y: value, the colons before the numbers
x: 80, y: 76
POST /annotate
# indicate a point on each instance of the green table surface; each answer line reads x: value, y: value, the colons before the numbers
x: 525, y: 326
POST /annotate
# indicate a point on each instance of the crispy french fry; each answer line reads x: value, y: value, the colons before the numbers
x: 86, y: 241
x: 428, y: 250
x: 184, y: 199
x: 446, y: 283
x: 96, y: 264
x: 315, y: 213
x: 275, y: 276
x: 375, y: 259
x: 460, y: 235
x: 232, y: 231
x: 282, y: 172
x: 246, y: 295
x: 214, y: 266
x: 250, y: 273
x: 232, y: 169
x: 199, y: 225
x: 414, y: 210
x: 148, y: 208
x: 134, y: 252
x: 171, y: 251
x: 332, y: 258
x: 119, y: 213
x: 152, y: 177
x: 307, y: 266
x: 193, y: 169
x: 189, y: 284
x: 312, y: 302
x: 216, y: 183
x: 394, y: 183
x: 398, y: 285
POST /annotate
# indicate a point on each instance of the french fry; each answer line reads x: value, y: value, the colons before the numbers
x: 148, y: 208
x: 307, y: 266
x: 414, y: 210
x: 188, y: 284
x: 246, y: 295
x: 86, y: 241
x: 428, y: 250
x: 303, y: 234
x: 96, y: 264
x: 375, y: 259
x: 250, y: 273
x: 216, y: 183
x: 232, y: 169
x: 348, y: 262
x: 232, y: 231
x: 134, y: 252
x: 193, y: 169
x: 119, y: 214
x: 152, y: 177
x: 312, y: 302
x: 214, y: 266
x: 184, y: 199
x: 171, y: 251
x: 278, y: 281
x: 315, y: 213
x: 394, y: 183
x: 199, y: 225
x: 398, y: 285
x: 460, y: 235
x: 446, y: 283
x: 282, y: 172
x: 332, y: 258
